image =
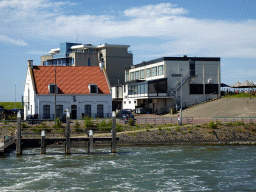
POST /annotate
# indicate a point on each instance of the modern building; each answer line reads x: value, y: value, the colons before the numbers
x: 171, y: 82
x: 115, y: 58
x: 51, y: 90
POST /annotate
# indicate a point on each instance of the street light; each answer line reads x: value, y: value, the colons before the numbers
x: 15, y: 96
x: 55, y: 87
x: 181, y: 99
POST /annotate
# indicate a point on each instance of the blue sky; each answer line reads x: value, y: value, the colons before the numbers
x: 201, y: 28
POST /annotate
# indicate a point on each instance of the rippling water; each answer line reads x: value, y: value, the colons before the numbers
x: 159, y: 168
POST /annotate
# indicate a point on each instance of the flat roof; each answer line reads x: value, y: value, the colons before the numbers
x: 174, y: 59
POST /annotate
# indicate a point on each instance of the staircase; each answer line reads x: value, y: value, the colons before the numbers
x: 174, y: 91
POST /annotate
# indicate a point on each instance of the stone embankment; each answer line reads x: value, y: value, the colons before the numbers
x: 243, y: 134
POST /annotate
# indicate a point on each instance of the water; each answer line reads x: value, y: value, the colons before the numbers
x: 159, y: 168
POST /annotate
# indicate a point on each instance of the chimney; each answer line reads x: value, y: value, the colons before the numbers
x: 30, y: 63
x: 101, y: 64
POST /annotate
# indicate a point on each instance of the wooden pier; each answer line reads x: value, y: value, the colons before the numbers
x: 34, y: 140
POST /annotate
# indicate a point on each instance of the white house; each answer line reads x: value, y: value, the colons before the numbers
x: 161, y: 84
x: 83, y: 90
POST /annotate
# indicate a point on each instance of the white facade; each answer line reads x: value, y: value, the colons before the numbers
x: 77, y: 104
x: 156, y: 84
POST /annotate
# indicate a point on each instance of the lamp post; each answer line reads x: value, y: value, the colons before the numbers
x: 15, y: 96
x: 181, y: 99
x: 55, y: 87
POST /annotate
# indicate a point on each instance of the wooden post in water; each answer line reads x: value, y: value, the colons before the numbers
x: 90, y: 146
x: 67, y: 150
x: 43, y: 146
x: 113, y: 142
x: 18, y: 135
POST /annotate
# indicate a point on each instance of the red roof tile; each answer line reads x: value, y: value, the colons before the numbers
x: 70, y: 80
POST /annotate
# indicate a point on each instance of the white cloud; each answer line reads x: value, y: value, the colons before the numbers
x: 45, y: 19
x: 155, y: 10
x: 12, y: 41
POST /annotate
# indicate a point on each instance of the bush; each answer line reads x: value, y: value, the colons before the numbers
x: 238, y: 123
x: 104, y: 126
x: 88, y: 122
x: 43, y: 126
x: 131, y: 122
x: 119, y: 128
x: 212, y: 125
x: 58, y: 124
x: 24, y: 125
x: 77, y: 127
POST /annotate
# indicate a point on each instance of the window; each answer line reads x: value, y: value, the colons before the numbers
x: 130, y: 102
x: 137, y: 75
x: 132, y: 76
x: 59, y: 110
x: 192, y: 68
x: 160, y: 70
x: 100, y: 110
x: 89, y: 61
x: 52, y: 87
x: 142, y: 89
x: 127, y: 76
x: 124, y: 102
x: 87, y: 110
x: 93, y: 88
x: 196, y: 88
x: 148, y: 72
x: 124, y: 88
x: 211, y: 88
x: 154, y: 70
x: 46, y: 111
x: 142, y: 74
x: 134, y: 102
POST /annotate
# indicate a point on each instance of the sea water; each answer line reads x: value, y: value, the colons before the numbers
x: 147, y: 168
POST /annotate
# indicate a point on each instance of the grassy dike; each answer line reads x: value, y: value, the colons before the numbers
x: 11, y: 105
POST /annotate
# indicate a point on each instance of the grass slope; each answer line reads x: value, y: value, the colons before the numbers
x: 10, y: 105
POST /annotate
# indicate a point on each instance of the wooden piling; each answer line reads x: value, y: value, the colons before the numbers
x: 67, y: 150
x: 43, y: 146
x: 113, y: 143
x: 18, y: 135
x: 90, y: 144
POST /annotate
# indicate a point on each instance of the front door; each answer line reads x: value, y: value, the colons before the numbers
x: 73, y: 112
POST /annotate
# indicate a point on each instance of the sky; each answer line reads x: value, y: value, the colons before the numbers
x: 196, y: 28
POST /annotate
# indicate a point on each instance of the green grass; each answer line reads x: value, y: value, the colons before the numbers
x: 10, y: 105
x: 239, y: 95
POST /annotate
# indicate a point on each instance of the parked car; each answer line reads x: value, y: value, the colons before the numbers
x: 32, y: 119
x: 63, y: 118
x: 16, y: 110
x: 5, y: 111
x: 125, y: 115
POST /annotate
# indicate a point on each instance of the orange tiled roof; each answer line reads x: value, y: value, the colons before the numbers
x: 70, y: 80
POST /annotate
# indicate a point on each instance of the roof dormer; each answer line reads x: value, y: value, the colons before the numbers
x: 93, y: 88
x: 52, y: 87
